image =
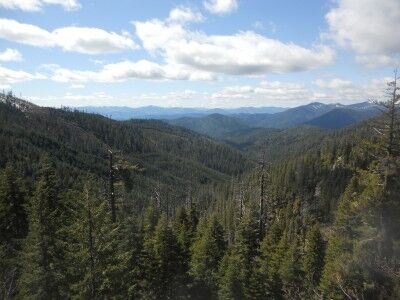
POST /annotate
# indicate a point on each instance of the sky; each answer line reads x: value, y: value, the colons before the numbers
x: 203, y: 53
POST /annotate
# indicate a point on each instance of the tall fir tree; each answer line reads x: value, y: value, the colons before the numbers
x: 313, y: 259
x: 207, y: 253
x: 170, y: 269
x: 238, y: 268
x: 44, y: 270
x: 96, y: 257
x: 148, y: 284
x: 13, y: 228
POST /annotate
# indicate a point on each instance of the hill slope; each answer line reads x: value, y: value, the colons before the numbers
x: 167, y: 156
x: 342, y: 117
x: 214, y: 125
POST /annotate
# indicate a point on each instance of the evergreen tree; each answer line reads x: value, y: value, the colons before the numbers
x: 207, y: 252
x: 44, y: 271
x: 130, y: 247
x: 387, y: 150
x: 237, y: 269
x: 148, y: 264
x: 272, y: 250
x: 13, y: 228
x: 353, y: 249
x: 185, y: 230
x: 97, y: 261
x: 290, y: 272
x: 313, y: 259
x: 170, y: 268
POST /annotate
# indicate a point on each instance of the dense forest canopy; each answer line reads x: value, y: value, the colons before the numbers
x: 92, y: 208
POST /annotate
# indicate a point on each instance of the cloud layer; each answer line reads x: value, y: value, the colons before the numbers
x: 124, y: 70
x: 244, y: 53
x: 37, y: 5
x: 266, y: 93
x: 10, y: 55
x: 292, y: 94
x: 220, y: 7
x: 9, y: 76
x: 77, y: 39
x: 369, y: 28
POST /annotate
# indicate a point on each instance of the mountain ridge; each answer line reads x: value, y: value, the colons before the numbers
x: 327, y: 116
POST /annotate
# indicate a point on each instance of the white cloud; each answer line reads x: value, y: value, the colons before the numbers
x: 66, y: 4
x: 245, y: 53
x: 265, y: 93
x: 184, y: 14
x: 377, y: 60
x: 37, y: 5
x: 280, y: 93
x: 77, y: 39
x: 187, y: 98
x: 335, y: 83
x: 156, y: 33
x: 369, y: 27
x: 122, y: 71
x: 91, y: 40
x: 345, y: 91
x: 25, y: 33
x: 9, y: 76
x: 10, y: 55
x: 220, y: 7
x: 72, y: 99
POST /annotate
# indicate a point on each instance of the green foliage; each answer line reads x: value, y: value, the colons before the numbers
x: 96, y: 260
x: 313, y: 260
x: 13, y: 228
x: 337, y: 190
x: 44, y: 269
x: 207, y: 252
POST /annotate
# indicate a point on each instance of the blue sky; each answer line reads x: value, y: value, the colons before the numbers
x: 205, y: 53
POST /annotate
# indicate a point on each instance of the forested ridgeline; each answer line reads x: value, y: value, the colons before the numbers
x: 147, y: 154
x: 322, y: 224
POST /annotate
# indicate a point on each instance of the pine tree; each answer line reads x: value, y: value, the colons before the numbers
x: 353, y: 248
x: 130, y: 247
x: 148, y: 265
x: 290, y: 272
x: 388, y: 153
x: 272, y: 250
x: 184, y: 229
x: 230, y: 284
x: 237, y: 269
x: 313, y: 259
x: 96, y: 256
x: 44, y: 272
x: 170, y: 267
x: 207, y: 252
x: 13, y: 228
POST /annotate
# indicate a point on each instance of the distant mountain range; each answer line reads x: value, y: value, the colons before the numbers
x: 219, y: 121
x: 170, y: 113
x: 315, y: 114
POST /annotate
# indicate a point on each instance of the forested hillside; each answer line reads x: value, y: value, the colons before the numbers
x: 214, y: 125
x: 148, y: 153
x: 300, y: 213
